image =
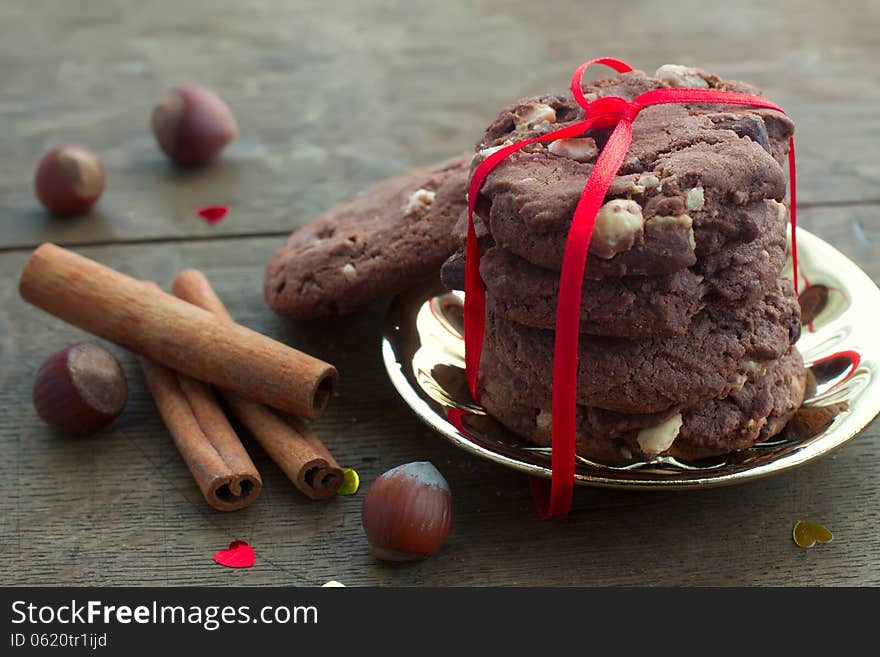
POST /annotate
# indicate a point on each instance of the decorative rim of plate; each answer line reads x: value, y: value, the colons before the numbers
x: 420, y: 336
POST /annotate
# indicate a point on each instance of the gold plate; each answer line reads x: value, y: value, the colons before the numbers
x: 423, y: 350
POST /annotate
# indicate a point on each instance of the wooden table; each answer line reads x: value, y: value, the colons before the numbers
x: 331, y: 96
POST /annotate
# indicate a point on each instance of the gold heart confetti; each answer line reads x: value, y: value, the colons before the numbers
x: 350, y: 482
x: 806, y: 534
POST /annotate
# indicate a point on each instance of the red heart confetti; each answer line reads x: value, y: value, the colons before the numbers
x: 213, y: 213
x: 239, y: 555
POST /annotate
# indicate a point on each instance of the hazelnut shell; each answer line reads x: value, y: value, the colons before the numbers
x: 407, y: 512
x: 192, y: 125
x: 80, y: 389
x: 69, y: 179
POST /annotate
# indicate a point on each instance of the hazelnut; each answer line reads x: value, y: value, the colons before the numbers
x: 192, y: 125
x: 579, y: 149
x: 69, y: 179
x: 619, y: 224
x: 676, y: 75
x: 80, y: 389
x: 532, y: 114
x: 419, y: 201
x: 407, y: 512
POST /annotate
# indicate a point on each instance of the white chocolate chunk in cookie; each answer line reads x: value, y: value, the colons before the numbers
x: 579, y: 149
x: 646, y: 181
x: 676, y: 75
x: 349, y: 271
x: 544, y: 420
x: 618, y: 225
x: 781, y: 210
x: 486, y: 152
x: 755, y: 368
x: 695, y: 200
x: 420, y: 200
x: 531, y: 114
x: 656, y: 440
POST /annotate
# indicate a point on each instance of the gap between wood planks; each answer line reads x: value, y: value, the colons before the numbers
x: 125, y: 241
x: 29, y: 246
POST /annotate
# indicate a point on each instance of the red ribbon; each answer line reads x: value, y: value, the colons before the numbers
x: 553, y: 499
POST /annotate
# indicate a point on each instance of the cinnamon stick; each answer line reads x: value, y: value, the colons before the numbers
x: 174, y: 333
x: 223, y: 471
x: 293, y: 446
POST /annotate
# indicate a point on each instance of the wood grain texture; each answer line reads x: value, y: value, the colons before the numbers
x: 121, y: 508
x: 330, y: 96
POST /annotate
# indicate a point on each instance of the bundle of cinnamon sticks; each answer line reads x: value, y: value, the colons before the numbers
x: 187, y: 343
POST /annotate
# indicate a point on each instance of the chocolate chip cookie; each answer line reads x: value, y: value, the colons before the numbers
x: 693, y: 202
x: 639, y: 306
x: 721, y: 349
x: 371, y: 246
x: 754, y: 412
x: 681, y: 192
x: 630, y: 306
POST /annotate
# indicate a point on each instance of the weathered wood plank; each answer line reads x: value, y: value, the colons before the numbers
x: 333, y: 95
x: 121, y: 508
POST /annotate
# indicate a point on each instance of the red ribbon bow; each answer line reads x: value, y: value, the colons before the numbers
x: 554, y: 500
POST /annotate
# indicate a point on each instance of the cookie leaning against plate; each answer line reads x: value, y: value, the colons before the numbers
x: 371, y: 246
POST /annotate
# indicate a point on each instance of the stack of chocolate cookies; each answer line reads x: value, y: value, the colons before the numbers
x: 687, y: 325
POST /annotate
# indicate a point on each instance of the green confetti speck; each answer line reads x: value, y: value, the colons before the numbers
x: 350, y: 482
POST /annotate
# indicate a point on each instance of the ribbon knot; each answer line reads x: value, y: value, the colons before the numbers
x: 608, y: 111
x: 554, y: 500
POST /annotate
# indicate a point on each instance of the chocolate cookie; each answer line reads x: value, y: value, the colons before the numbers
x: 638, y: 306
x: 756, y: 411
x: 690, y: 172
x: 371, y: 246
x: 722, y: 348
x: 692, y: 203
x: 743, y: 272
x: 630, y: 306
x: 659, y: 128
